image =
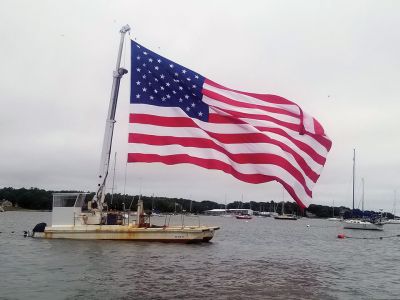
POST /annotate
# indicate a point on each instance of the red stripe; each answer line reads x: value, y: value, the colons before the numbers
x: 230, y: 101
x: 226, y: 138
x: 210, y: 164
x: 242, y: 158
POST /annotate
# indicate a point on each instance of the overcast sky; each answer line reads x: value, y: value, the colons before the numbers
x: 339, y: 60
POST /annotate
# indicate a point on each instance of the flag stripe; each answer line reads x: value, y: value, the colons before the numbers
x: 294, y: 190
x: 237, y: 135
x: 235, y: 154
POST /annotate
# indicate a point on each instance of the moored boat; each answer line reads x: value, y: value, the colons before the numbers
x: 243, y: 217
x: 71, y: 221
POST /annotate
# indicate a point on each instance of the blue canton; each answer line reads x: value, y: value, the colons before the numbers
x: 158, y: 81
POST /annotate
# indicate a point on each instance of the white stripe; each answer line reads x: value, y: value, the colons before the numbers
x: 268, y: 169
x: 293, y: 108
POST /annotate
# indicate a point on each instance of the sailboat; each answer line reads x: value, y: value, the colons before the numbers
x: 360, y: 223
x: 284, y: 216
x: 71, y: 221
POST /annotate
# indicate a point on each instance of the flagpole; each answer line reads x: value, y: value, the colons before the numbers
x: 109, y: 130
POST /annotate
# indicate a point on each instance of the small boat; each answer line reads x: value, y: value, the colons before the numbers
x: 286, y: 217
x: 243, y: 217
x: 73, y: 217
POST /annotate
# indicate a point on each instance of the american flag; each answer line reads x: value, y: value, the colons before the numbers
x: 178, y: 116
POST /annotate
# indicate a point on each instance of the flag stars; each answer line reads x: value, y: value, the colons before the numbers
x: 176, y: 74
x: 187, y: 96
x: 167, y: 84
x: 144, y: 76
x: 150, y: 60
x: 200, y: 114
x: 156, y: 67
x: 162, y: 76
x: 155, y: 91
x: 180, y: 100
x: 163, y: 99
x: 138, y: 57
x: 168, y: 96
x: 138, y: 69
x: 144, y: 89
x: 171, y: 66
x: 188, y: 79
x: 151, y: 98
x: 193, y: 104
x: 137, y: 96
x: 159, y: 61
x: 145, y: 53
x: 188, y: 108
x: 137, y: 82
x: 162, y: 88
x: 194, y: 86
x: 183, y: 71
x: 196, y: 76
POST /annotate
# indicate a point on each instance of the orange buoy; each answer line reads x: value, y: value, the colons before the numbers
x: 341, y: 236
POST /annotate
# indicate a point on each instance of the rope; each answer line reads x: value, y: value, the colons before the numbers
x: 373, y: 238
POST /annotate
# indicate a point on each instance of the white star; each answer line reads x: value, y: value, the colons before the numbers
x: 173, y: 92
x: 180, y: 100
x: 168, y: 96
x: 196, y: 76
x: 137, y: 96
x: 188, y: 79
x: 200, y: 114
x: 150, y: 60
x: 181, y: 88
x: 193, y: 104
x: 188, y: 108
x: 194, y: 86
x: 163, y: 99
x: 138, y: 69
x: 155, y: 79
x: 161, y: 87
x: 162, y: 76
x: 187, y: 96
x: 138, y: 57
x: 151, y: 97
x: 144, y: 65
x: 137, y: 82
x: 144, y: 89
x: 149, y: 83
x: 149, y: 71
x: 176, y: 74
x: 183, y: 71
x: 155, y: 91
x: 138, y: 46
x: 171, y: 66
x: 167, y: 84
x: 144, y: 52
x: 144, y: 76
x: 159, y: 60
x: 156, y: 67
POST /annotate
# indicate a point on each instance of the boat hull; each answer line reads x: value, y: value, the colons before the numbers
x: 174, y: 234
x: 362, y: 225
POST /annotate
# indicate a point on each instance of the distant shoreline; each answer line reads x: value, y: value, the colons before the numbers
x: 12, y: 208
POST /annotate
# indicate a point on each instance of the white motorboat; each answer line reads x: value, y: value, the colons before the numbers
x: 361, y: 224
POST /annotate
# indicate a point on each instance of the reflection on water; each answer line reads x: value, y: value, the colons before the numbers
x: 257, y: 259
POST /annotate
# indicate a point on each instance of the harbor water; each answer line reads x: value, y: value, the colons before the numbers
x: 261, y: 258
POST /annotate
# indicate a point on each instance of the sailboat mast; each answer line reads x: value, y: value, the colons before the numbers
x: 362, y: 202
x: 354, y: 172
x: 109, y: 130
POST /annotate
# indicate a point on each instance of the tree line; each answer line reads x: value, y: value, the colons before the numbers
x: 40, y: 199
